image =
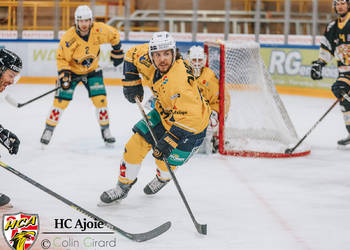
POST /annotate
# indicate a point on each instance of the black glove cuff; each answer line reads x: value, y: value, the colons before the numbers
x: 117, y: 46
x: 164, y: 146
x: 65, y: 78
x: 320, y: 62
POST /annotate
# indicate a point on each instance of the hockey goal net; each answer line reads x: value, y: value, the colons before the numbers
x: 252, y: 119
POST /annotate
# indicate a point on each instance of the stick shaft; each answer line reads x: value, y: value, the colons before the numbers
x: 202, y: 229
x: 135, y: 237
x: 38, y: 97
x: 314, y: 126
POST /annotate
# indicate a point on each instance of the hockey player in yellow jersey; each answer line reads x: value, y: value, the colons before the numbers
x: 179, y: 119
x: 137, y: 62
x: 208, y: 84
x: 77, y: 61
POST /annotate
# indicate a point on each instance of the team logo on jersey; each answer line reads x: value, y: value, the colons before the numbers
x: 20, y: 230
x: 165, y: 79
x: 143, y: 60
x: 343, y: 52
x: 70, y: 42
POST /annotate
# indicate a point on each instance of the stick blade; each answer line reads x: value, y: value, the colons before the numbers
x: 11, y: 101
x: 288, y: 151
x: 151, y: 234
x: 202, y: 228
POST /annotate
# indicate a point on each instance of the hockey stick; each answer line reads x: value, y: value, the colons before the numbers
x: 13, y: 102
x: 291, y: 150
x: 201, y: 228
x: 140, y: 237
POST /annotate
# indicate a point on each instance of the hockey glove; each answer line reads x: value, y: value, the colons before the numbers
x: 65, y: 79
x: 316, y: 69
x: 130, y: 92
x: 117, y: 57
x: 164, y: 147
x: 214, y: 119
x: 339, y: 88
x: 9, y: 140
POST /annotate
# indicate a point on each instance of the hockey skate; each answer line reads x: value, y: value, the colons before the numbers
x: 107, y: 136
x: 154, y: 186
x: 215, y: 143
x: 46, y: 136
x: 115, y: 194
x: 342, y: 144
x: 4, y: 200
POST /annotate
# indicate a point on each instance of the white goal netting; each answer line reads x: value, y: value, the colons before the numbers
x: 253, y: 119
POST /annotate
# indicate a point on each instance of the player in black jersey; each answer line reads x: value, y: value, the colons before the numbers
x: 336, y: 43
x: 10, y: 67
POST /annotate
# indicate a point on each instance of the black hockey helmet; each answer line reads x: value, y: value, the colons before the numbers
x: 9, y: 60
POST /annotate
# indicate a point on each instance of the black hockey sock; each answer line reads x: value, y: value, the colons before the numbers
x: 348, y: 128
x: 49, y: 127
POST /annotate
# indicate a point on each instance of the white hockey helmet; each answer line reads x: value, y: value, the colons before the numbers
x: 161, y: 41
x: 83, y: 12
x: 197, y: 59
x: 336, y: 1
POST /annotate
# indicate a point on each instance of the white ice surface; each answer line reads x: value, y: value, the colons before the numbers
x: 248, y: 204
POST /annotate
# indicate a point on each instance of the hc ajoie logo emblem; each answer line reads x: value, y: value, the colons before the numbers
x: 20, y: 230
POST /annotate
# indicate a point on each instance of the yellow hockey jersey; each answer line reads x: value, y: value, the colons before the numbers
x: 179, y: 101
x: 80, y: 56
x: 136, y: 63
x: 208, y: 84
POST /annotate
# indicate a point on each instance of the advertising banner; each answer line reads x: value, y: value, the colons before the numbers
x: 39, y: 57
x: 288, y: 65
x: 291, y: 66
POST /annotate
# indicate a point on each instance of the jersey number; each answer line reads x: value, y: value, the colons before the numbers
x: 342, y: 37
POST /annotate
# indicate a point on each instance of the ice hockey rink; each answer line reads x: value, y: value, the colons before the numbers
x: 248, y: 204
